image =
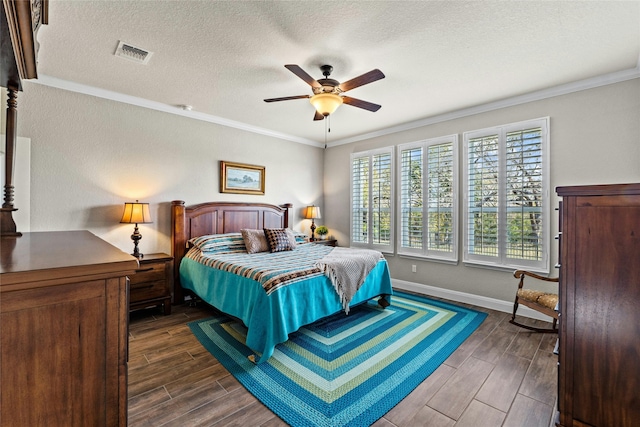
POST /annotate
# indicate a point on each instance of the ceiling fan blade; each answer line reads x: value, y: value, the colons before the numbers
x: 361, y: 104
x: 303, y: 75
x: 364, y: 79
x: 318, y: 116
x: 286, y: 98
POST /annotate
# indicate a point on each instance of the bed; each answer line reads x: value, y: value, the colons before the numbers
x: 270, y: 315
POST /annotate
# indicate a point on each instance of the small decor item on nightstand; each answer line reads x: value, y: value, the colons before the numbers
x: 136, y: 213
x: 312, y: 212
x: 322, y: 232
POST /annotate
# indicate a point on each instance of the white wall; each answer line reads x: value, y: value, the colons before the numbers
x: 595, y: 139
x: 90, y: 155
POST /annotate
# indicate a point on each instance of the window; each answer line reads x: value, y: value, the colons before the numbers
x: 428, y: 187
x: 506, y: 193
x: 372, y: 199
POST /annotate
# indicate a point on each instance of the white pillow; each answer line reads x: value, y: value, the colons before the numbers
x: 292, y: 238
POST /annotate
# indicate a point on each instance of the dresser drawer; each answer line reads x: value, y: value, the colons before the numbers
x: 147, y: 290
x: 148, y: 273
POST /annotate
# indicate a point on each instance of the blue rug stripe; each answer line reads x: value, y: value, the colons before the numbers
x: 269, y: 392
x: 357, y: 379
x: 379, y: 344
x: 314, y: 388
x: 412, y: 376
x: 381, y: 318
x: 387, y: 361
x: 362, y: 347
x: 334, y: 347
x: 402, y: 371
x: 380, y: 329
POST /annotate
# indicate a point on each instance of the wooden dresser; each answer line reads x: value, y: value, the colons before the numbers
x: 599, y: 360
x: 63, y: 330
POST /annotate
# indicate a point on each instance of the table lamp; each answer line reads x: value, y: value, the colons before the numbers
x: 312, y: 213
x: 136, y: 213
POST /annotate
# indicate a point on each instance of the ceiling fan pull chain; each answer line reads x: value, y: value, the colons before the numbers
x: 326, y: 124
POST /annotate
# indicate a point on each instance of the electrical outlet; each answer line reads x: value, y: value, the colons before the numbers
x: 413, y: 268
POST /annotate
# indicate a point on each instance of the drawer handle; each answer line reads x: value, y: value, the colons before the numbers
x: 143, y: 287
x: 142, y: 270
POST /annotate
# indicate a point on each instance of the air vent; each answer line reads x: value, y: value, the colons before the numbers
x: 133, y: 53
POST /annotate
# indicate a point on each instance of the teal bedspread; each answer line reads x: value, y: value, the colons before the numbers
x: 270, y: 310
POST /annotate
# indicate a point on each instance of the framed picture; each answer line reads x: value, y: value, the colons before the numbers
x: 240, y: 178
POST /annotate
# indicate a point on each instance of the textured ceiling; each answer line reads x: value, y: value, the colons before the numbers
x: 224, y: 57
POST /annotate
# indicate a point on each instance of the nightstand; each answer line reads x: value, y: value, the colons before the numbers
x: 152, y: 283
x: 326, y: 242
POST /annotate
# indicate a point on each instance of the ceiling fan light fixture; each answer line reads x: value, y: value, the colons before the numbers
x: 326, y: 103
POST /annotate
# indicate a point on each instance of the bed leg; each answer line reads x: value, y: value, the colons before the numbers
x: 382, y: 301
x: 191, y: 299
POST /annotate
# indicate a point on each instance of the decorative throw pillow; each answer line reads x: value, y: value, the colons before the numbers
x: 254, y: 240
x: 278, y: 239
x: 219, y: 243
x: 293, y: 241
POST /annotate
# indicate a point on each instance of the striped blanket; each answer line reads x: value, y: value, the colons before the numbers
x: 271, y: 270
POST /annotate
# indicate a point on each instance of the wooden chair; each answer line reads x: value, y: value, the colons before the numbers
x: 543, y: 302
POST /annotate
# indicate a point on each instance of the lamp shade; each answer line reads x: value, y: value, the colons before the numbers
x: 326, y: 103
x: 136, y: 213
x: 312, y: 212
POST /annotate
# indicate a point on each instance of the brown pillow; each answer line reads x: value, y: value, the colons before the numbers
x: 254, y: 240
x: 278, y: 239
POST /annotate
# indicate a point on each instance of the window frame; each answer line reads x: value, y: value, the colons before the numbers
x: 501, y: 261
x: 370, y: 154
x: 424, y: 252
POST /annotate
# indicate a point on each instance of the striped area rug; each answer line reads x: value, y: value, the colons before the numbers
x: 345, y: 370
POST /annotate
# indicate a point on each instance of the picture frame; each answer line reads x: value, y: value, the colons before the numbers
x: 241, y: 178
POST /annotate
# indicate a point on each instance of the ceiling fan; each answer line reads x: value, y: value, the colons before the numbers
x: 327, y: 93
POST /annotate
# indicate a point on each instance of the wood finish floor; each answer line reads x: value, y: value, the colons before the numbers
x: 501, y: 375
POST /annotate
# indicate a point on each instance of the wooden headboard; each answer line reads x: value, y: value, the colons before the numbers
x: 217, y: 218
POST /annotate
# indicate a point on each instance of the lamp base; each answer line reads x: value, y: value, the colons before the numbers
x: 313, y: 230
x: 136, y: 236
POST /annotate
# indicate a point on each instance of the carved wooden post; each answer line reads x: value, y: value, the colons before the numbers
x: 7, y: 224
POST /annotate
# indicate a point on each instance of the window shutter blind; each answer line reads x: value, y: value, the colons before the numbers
x: 525, y: 192
x: 372, y: 199
x: 506, y: 196
x: 428, y: 183
x: 482, y: 185
x: 411, y: 202
x: 381, y: 199
x: 359, y: 199
x: 440, y: 197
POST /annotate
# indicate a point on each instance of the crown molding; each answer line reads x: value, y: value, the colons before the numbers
x: 565, y: 89
x: 165, y: 108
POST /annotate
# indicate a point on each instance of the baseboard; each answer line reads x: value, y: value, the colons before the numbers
x: 479, y: 300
